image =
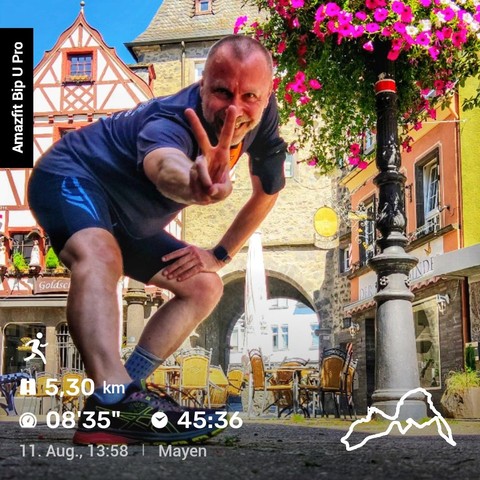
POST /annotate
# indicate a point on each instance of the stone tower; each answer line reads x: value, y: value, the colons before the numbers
x: 296, y: 260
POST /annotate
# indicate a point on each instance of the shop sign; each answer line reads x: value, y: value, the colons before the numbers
x: 423, y: 270
x: 51, y: 285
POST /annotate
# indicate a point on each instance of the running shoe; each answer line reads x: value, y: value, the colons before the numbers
x: 130, y: 420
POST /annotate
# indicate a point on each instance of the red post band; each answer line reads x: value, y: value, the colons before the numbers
x: 386, y: 85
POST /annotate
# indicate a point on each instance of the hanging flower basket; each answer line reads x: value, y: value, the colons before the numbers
x: 324, y: 52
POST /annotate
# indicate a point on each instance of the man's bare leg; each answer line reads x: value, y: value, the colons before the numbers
x: 194, y: 300
x: 95, y: 262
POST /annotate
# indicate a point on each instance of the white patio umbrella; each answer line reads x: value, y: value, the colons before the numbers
x: 256, y: 306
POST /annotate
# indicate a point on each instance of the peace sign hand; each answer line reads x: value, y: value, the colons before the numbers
x: 210, y: 173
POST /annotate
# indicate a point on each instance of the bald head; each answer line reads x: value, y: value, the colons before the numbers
x: 240, y: 47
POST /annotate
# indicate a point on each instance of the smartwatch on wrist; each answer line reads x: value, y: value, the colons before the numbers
x: 220, y: 253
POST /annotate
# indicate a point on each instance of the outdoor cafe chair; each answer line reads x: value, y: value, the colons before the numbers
x: 41, y: 381
x: 331, y: 373
x: 71, y: 380
x: 158, y: 379
x: 218, y: 387
x: 348, y: 378
x: 194, y: 380
x: 265, y: 384
x: 236, y: 381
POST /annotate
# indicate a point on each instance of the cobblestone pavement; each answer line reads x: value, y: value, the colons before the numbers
x: 263, y: 449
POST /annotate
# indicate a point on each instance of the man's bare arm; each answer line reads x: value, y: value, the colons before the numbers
x: 182, y: 180
x: 203, y: 181
x: 192, y: 260
x: 248, y: 218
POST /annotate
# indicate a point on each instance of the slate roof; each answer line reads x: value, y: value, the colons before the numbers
x: 175, y: 20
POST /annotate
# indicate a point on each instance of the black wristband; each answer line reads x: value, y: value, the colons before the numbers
x: 221, y: 254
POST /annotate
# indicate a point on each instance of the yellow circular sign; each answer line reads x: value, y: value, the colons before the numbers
x: 325, y: 222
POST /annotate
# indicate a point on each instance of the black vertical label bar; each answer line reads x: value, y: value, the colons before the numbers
x: 16, y: 97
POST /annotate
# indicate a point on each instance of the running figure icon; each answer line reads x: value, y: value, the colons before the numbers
x: 35, y: 348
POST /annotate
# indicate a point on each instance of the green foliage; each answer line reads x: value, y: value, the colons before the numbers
x: 19, y: 262
x: 457, y: 382
x: 325, y: 67
x: 51, y: 259
x: 470, y: 363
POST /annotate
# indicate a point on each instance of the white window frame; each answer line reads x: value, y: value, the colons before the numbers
x: 431, y: 190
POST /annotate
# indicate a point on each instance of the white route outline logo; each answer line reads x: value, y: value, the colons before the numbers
x: 438, y: 419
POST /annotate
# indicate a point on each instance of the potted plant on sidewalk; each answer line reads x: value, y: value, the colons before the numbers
x: 461, y: 398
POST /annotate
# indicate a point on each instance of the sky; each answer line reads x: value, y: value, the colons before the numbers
x: 119, y: 21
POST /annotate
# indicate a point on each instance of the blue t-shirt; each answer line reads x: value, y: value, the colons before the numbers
x: 110, y: 152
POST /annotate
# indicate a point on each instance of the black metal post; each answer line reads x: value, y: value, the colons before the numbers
x: 396, y: 356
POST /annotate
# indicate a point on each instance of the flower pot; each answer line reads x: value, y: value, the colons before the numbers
x: 462, y: 404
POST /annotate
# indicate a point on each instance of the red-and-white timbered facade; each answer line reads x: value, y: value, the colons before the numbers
x: 77, y: 82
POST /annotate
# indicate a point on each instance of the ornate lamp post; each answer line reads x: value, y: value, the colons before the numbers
x: 396, y: 356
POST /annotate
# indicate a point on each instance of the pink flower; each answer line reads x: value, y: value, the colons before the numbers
x: 423, y: 38
x: 320, y: 14
x: 404, y: 11
x: 380, y: 14
x: 332, y: 9
x: 418, y: 126
x: 312, y: 162
x: 425, y: 3
x: 299, y: 84
x: 372, y: 27
x: 358, y: 31
x: 304, y: 99
x: 345, y: 18
x: 362, y: 165
x: 302, y: 50
x: 292, y: 148
x: 398, y: 7
x: 318, y: 32
x: 371, y: 4
x: 297, y: 3
x: 315, y: 84
x: 281, y: 47
x: 353, y: 160
x: 459, y: 38
x: 399, y: 27
x: 361, y: 16
x: 439, y: 85
x: 354, y: 149
x: 393, y: 54
x: 240, y: 22
x: 434, y: 52
x: 445, y: 33
x: 448, y: 14
x: 345, y: 30
x: 368, y: 46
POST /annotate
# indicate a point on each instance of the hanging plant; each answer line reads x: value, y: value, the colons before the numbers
x: 324, y: 52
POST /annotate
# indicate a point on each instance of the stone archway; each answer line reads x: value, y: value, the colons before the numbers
x: 215, y: 331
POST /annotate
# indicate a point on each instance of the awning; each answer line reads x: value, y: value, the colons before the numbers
x: 464, y: 262
x: 366, y: 304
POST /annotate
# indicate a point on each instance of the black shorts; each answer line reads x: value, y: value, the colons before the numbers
x: 66, y: 205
